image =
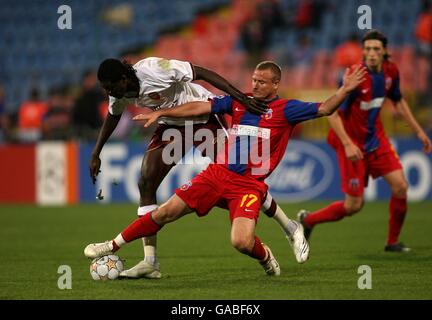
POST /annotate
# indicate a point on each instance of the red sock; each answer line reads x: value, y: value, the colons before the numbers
x: 398, y: 209
x: 258, y: 250
x: 333, y: 212
x: 141, y: 227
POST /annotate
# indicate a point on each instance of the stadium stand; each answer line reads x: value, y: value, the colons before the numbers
x: 36, y: 51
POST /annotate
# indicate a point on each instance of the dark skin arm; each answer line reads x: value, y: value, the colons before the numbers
x: 191, y: 109
x: 252, y: 105
x: 107, y: 129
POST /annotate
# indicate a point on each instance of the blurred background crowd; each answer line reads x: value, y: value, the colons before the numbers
x: 48, y: 84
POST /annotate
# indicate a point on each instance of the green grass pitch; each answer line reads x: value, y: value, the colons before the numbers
x: 198, y: 262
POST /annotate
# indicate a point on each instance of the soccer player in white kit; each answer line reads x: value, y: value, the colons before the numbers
x: 158, y: 83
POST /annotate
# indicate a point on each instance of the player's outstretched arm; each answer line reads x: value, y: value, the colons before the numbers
x: 253, y: 105
x: 350, y: 81
x: 191, y: 109
x: 110, y: 123
x: 403, y: 109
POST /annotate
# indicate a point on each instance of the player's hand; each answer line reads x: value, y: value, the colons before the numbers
x: 94, y: 166
x: 427, y: 144
x: 352, y: 78
x: 253, y: 105
x: 149, y: 117
x: 353, y: 152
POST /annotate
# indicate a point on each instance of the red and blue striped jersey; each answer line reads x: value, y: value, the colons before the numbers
x: 256, y: 143
x: 360, y: 111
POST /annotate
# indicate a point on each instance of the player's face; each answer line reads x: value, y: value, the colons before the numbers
x: 263, y: 86
x: 115, y: 89
x: 373, y: 52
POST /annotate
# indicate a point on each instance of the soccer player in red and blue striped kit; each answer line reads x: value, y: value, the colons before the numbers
x: 254, y: 147
x: 363, y: 149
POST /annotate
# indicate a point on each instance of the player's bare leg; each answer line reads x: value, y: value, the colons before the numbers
x: 153, y: 171
x: 293, y: 230
x: 145, y: 226
x: 398, y: 209
x: 243, y: 238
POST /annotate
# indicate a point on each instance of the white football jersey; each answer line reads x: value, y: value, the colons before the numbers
x: 164, y: 84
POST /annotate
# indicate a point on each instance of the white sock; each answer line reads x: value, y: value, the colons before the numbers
x: 146, y: 209
x: 286, y: 223
x: 149, y: 248
x: 150, y: 259
x: 119, y: 240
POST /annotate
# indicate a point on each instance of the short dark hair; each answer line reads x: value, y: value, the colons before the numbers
x: 273, y: 66
x: 375, y: 35
x: 113, y: 70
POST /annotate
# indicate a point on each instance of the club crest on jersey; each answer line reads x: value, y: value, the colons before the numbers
x: 186, y: 186
x: 388, y: 83
x: 268, y: 115
x: 154, y: 96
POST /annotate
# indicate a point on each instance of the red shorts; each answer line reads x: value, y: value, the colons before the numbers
x: 217, y: 186
x: 212, y: 124
x: 355, y: 174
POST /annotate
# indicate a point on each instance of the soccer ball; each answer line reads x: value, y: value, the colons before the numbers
x: 106, y: 267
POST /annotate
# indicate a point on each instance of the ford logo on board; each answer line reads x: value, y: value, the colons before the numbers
x: 304, y: 173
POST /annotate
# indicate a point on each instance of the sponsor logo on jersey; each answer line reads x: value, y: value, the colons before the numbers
x: 252, y: 131
x: 374, y: 103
